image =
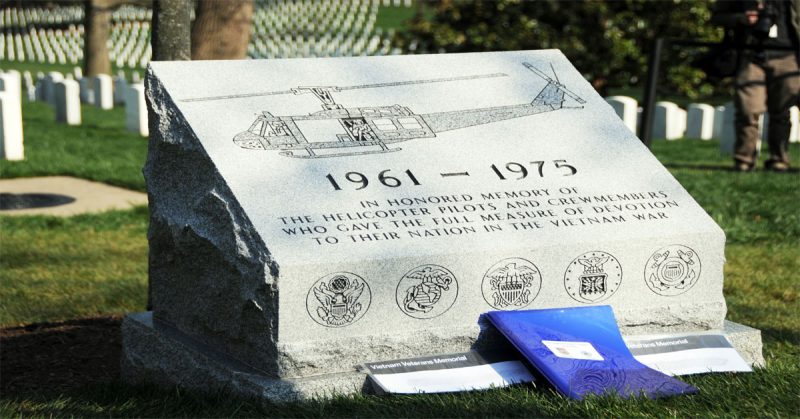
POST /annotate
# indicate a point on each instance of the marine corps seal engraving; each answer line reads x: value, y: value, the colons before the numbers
x: 426, y: 291
x: 338, y: 299
x: 672, y: 270
x: 511, y: 284
x: 593, y: 277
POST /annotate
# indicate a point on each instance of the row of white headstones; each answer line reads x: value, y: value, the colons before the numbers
x: 698, y: 121
x: 281, y: 29
x: 128, y: 43
x: 319, y: 29
x: 65, y: 94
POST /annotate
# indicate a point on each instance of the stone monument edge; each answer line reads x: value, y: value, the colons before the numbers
x: 186, y: 229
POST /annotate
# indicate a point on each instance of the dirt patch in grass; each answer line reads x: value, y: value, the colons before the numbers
x: 55, y: 357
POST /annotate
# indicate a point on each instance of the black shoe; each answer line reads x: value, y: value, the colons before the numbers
x: 741, y: 166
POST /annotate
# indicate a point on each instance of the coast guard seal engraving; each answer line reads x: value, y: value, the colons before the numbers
x: 338, y: 299
x: 511, y: 284
x: 672, y: 270
x: 426, y: 291
x: 593, y: 277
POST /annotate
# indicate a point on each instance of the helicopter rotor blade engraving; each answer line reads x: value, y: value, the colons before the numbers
x: 300, y: 90
x: 240, y: 96
x: 442, y: 80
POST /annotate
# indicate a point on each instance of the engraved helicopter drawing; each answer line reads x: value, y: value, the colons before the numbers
x: 373, y: 129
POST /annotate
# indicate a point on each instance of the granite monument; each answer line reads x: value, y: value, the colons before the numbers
x: 309, y: 215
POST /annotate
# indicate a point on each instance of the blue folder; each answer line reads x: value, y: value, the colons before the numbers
x: 580, y: 351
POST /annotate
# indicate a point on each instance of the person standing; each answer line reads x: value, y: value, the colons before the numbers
x: 768, y: 78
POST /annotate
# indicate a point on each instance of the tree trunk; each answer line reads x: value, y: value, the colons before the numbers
x: 171, y: 30
x: 221, y: 29
x: 97, y: 25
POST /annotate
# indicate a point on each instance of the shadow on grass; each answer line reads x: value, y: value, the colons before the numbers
x: 63, y: 356
x: 721, y: 168
x: 759, y: 317
x: 780, y: 335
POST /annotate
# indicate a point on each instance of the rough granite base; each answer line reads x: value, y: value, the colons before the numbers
x: 159, y: 354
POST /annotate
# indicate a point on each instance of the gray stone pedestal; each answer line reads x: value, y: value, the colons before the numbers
x: 154, y: 352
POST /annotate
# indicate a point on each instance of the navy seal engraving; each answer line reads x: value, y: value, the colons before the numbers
x: 338, y: 299
x: 672, y: 270
x: 593, y: 277
x: 511, y: 284
x: 426, y: 291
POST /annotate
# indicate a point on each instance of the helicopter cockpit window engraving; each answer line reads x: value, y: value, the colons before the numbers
x: 373, y: 129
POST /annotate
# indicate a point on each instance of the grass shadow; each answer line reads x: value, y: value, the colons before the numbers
x: 720, y: 168
x: 45, y: 357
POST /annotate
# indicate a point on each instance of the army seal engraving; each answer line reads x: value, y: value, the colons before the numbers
x: 593, y: 277
x: 672, y: 270
x: 338, y: 299
x: 426, y: 291
x: 511, y: 284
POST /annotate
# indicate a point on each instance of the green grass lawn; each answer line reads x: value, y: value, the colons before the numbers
x: 60, y: 268
x: 99, y: 149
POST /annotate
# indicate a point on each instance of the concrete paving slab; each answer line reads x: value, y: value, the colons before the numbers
x: 90, y: 197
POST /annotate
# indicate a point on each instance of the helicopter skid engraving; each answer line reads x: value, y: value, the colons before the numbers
x: 371, y: 130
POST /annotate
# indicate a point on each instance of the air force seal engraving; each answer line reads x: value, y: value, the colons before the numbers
x: 338, y: 299
x: 511, y: 284
x: 593, y: 277
x: 672, y: 270
x: 426, y: 291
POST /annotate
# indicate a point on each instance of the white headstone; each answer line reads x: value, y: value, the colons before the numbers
x: 38, y: 90
x: 48, y: 86
x: 626, y: 108
x: 700, y: 121
x: 669, y: 121
x: 727, y: 138
x: 794, y: 120
x: 680, y: 127
x: 639, y: 112
x: 30, y: 91
x: 11, y: 147
x: 120, y: 89
x: 11, y: 82
x: 86, y: 92
x: 78, y: 72
x: 136, y: 109
x: 719, y: 119
x: 68, y: 102
x: 377, y: 215
x: 103, y: 89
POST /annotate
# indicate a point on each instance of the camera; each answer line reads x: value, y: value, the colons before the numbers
x: 767, y: 15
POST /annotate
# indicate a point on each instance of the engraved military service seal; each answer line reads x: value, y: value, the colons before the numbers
x: 426, y: 291
x: 672, y: 270
x: 511, y: 284
x: 338, y: 299
x: 593, y: 277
